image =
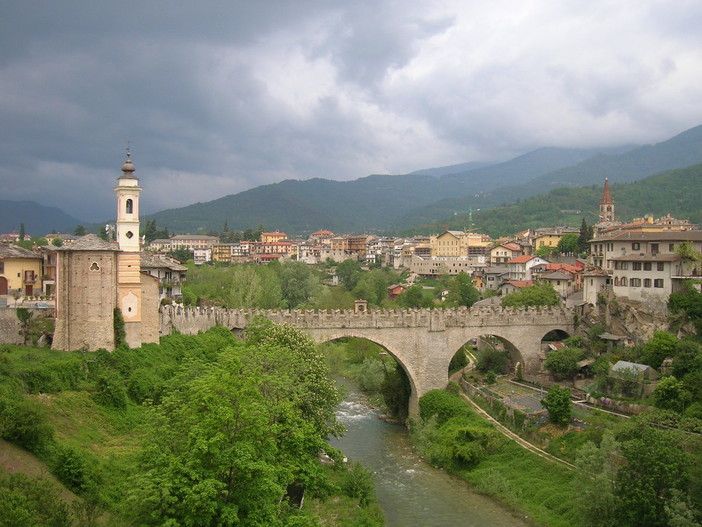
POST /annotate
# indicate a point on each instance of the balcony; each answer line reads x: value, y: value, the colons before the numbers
x: 30, y: 277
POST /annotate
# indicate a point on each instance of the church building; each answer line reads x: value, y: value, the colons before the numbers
x: 98, y: 279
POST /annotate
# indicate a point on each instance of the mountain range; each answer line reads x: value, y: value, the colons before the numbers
x: 390, y: 202
x: 430, y: 197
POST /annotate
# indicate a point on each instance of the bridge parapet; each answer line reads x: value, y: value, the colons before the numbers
x: 193, y: 319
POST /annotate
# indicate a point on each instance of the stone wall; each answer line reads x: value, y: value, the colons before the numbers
x: 10, y: 327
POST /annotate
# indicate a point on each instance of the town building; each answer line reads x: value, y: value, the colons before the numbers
x: 20, y: 271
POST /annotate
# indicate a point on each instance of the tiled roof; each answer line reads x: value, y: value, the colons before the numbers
x: 15, y: 251
x: 663, y: 236
x: 524, y: 258
x: 152, y: 261
x: 90, y: 242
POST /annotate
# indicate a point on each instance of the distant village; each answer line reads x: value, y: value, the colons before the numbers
x: 639, y: 260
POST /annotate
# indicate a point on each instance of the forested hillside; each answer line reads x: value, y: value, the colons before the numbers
x: 675, y: 192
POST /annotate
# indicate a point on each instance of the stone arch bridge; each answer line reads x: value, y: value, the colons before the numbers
x: 423, y: 341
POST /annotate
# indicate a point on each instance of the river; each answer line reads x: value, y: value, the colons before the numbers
x: 410, y: 491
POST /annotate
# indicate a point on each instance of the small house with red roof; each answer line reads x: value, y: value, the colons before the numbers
x: 519, y: 268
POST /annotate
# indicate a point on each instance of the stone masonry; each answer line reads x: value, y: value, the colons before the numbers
x: 422, y: 340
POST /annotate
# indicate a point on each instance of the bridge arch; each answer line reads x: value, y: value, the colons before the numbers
x: 422, y: 340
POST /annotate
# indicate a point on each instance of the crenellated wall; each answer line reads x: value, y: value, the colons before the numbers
x: 422, y: 340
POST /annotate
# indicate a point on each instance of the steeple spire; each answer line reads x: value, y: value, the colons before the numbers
x: 606, y: 204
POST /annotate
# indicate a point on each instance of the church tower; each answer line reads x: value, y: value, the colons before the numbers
x: 129, y: 291
x: 606, y: 205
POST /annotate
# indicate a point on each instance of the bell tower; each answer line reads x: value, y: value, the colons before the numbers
x: 606, y: 204
x: 129, y: 291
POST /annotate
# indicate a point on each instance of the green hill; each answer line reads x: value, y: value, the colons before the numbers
x: 674, y: 192
x: 38, y: 219
x: 373, y: 202
x: 681, y: 151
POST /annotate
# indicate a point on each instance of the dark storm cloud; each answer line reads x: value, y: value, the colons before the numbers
x: 220, y: 96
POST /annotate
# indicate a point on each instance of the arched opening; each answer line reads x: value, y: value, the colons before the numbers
x: 374, y: 370
x: 129, y: 206
x: 494, y: 357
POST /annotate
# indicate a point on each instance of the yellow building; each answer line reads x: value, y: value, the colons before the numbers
x: 268, y: 237
x: 456, y: 243
x: 20, y: 271
x: 549, y: 237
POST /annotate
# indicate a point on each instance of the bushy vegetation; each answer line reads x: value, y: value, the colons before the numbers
x: 539, y: 294
x: 204, y: 429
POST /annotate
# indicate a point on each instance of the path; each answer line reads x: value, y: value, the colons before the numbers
x: 456, y: 377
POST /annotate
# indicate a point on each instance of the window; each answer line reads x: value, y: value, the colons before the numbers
x: 636, y: 266
x: 635, y: 246
x: 660, y: 266
x: 623, y: 281
x: 130, y: 206
x: 625, y: 266
x: 658, y: 282
x: 647, y: 282
x: 2, y: 267
x: 654, y: 248
x: 671, y: 248
x: 635, y: 282
x: 647, y: 266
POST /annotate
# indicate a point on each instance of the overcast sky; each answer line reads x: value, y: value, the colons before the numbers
x: 218, y: 97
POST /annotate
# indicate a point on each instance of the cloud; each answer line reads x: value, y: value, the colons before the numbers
x: 221, y: 96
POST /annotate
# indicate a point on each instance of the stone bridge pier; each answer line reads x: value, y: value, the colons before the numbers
x: 423, y: 341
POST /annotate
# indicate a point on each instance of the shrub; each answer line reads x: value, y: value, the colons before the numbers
x: 558, y: 404
x: 30, y: 502
x: 70, y: 467
x: 111, y: 391
x: 358, y: 483
x: 442, y: 404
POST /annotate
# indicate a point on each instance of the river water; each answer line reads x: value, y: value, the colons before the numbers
x: 410, y: 491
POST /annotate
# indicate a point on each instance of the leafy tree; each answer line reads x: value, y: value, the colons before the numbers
x: 655, y: 350
x: 563, y: 363
x: 461, y: 291
x: 181, y: 254
x: 413, y: 297
x: 80, y: 230
x: 26, y: 322
x: 545, y: 251
x: 536, y: 295
x: 396, y: 390
x: 30, y: 502
x: 670, y: 394
x: 22, y: 232
x: 568, y: 244
x: 57, y: 242
x: 594, y: 489
x: 558, y: 404
x: 230, y: 436
x: 586, y: 234
x: 348, y: 272
x: 490, y: 359
x: 656, y: 467
x: 297, y: 283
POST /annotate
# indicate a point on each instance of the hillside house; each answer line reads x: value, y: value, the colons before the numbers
x: 501, y: 254
x: 169, y: 272
x: 20, y: 271
x: 519, y: 268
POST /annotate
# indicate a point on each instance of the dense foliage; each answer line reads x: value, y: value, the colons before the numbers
x: 204, y: 429
x: 539, y: 294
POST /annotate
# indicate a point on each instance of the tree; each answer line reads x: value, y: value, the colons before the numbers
x: 348, y: 272
x: 563, y: 363
x: 536, y: 295
x: 558, y: 404
x: 229, y: 437
x: 26, y: 323
x: 586, y: 234
x: 22, y: 232
x: 655, y: 350
x: 297, y: 283
x: 568, y: 244
x: 670, y: 394
x: 461, y: 291
x: 79, y: 230
x: 545, y: 251
x: 594, y: 489
x: 413, y: 297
